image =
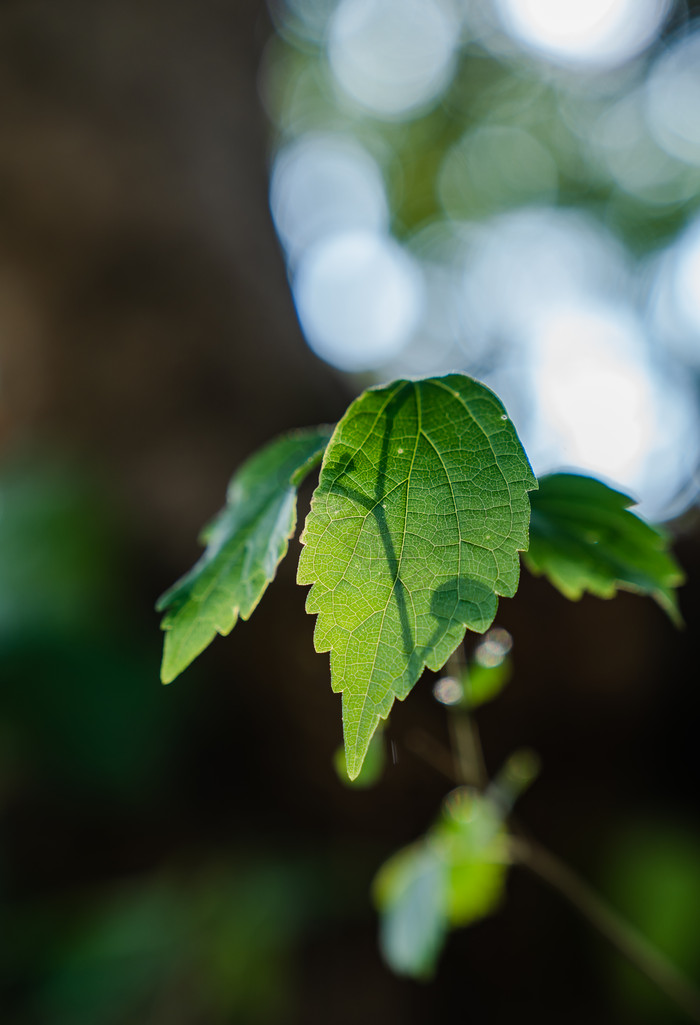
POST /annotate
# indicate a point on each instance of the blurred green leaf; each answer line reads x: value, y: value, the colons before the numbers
x: 411, y: 891
x: 475, y: 890
x: 249, y: 919
x: 102, y: 970
x: 452, y: 877
x: 56, y: 553
x: 77, y: 701
x: 215, y: 943
x: 413, y: 533
x: 653, y: 878
x: 245, y: 544
x: 89, y: 716
x: 484, y: 683
x: 472, y: 839
x: 583, y: 538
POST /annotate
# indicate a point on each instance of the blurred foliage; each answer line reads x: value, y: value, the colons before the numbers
x: 526, y: 215
x: 214, y: 943
x: 145, y: 879
x: 507, y: 131
x: 484, y: 683
x: 452, y: 877
x: 651, y: 876
x: 89, y: 752
x: 57, y: 556
x: 78, y: 695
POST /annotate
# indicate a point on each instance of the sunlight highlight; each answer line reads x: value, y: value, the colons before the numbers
x: 673, y: 100
x: 584, y: 32
x: 359, y: 297
x: 393, y: 56
x: 602, y: 406
x: 594, y: 392
x: 322, y: 184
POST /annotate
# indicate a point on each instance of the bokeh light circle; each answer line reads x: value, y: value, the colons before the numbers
x: 687, y: 278
x: 634, y: 157
x: 359, y: 297
x: 321, y: 184
x: 673, y: 100
x: 583, y: 32
x: 674, y: 303
x: 604, y: 406
x: 393, y: 56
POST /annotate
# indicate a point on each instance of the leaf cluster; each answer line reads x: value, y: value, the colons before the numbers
x: 415, y: 530
x: 451, y: 877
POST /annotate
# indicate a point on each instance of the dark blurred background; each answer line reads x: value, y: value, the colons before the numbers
x: 518, y: 201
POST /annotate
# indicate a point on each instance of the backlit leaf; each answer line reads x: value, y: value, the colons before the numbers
x: 583, y: 538
x: 372, y: 767
x: 245, y: 544
x: 414, y: 531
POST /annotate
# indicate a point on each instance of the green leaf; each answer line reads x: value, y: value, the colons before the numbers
x: 414, y: 531
x: 452, y: 877
x: 411, y: 891
x: 583, y: 538
x: 472, y: 839
x: 245, y: 544
x: 476, y: 890
x: 484, y: 683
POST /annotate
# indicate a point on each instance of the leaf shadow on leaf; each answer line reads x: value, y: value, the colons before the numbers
x: 460, y: 599
x: 342, y: 468
x: 374, y: 504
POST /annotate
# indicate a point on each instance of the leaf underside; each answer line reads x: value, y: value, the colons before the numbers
x: 414, y: 530
x: 584, y: 538
x: 245, y: 544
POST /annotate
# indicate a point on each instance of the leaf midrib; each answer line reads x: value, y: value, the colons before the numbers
x: 399, y: 561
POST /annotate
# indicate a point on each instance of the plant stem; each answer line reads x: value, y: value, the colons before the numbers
x: 464, y: 733
x: 636, y: 948
x: 646, y: 958
x: 467, y: 748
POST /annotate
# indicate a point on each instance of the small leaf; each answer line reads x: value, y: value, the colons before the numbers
x: 484, y: 683
x: 411, y: 893
x: 472, y: 840
x: 452, y: 877
x: 413, y: 532
x: 245, y: 544
x: 583, y: 538
x: 476, y: 890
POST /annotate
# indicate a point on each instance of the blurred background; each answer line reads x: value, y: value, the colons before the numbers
x: 221, y: 220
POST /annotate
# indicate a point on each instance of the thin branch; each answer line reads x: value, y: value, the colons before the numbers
x: 468, y: 753
x: 646, y: 958
x: 469, y: 761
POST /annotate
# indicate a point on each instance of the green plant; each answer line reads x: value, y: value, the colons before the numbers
x: 424, y: 503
